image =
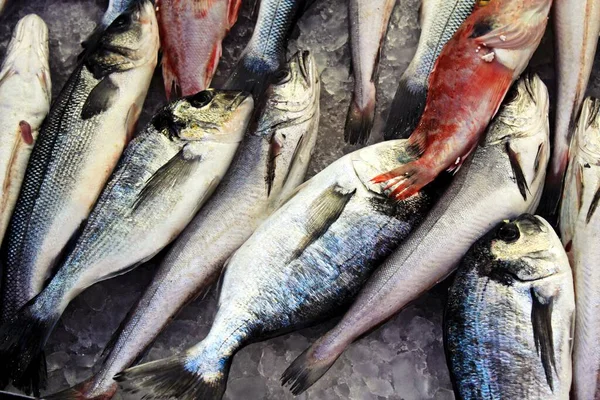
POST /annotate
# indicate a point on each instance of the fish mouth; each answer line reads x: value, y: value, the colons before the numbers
x: 31, y: 32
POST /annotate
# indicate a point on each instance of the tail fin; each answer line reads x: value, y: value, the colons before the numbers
x: 359, y: 121
x: 406, y: 110
x: 306, y: 370
x: 178, y: 377
x: 22, y: 343
x: 85, y: 391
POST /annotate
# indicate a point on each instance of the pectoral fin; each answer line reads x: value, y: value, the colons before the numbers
x: 512, y: 36
x: 515, y: 163
x: 100, y: 99
x: 541, y: 319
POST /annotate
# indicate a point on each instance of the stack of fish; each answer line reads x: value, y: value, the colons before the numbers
x: 219, y: 173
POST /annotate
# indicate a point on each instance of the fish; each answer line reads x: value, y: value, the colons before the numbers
x: 576, y: 29
x: 439, y: 20
x: 503, y: 179
x: 165, y: 175
x: 25, y: 70
x: 264, y: 54
x: 467, y: 85
x: 307, y: 260
x: 77, y: 148
x: 509, y: 315
x: 579, y: 228
x: 115, y: 8
x: 191, y: 32
x: 271, y: 161
x: 2, y: 5
x: 368, y: 25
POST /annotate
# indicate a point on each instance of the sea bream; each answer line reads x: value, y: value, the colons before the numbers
x: 191, y: 32
x: 79, y: 144
x: 24, y: 70
x: 271, y: 162
x: 301, y: 265
x: 265, y: 52
x: 468, y: 83
x: 508, y: 322
x: 439, y: 19
x: 165, y: 175
x: 503, y: 179
x: 580, y: 231
x: 576, y: 29
x: 368, y: 24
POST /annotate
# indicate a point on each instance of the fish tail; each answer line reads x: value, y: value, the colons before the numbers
x: 196, y: 374
x: 81, y: 391
x: 308, y: 368
x: 359, y: 121
x: 22, y: 342
x: 406, y: 110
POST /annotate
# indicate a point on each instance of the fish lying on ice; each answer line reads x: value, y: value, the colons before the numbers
x: 77, y: 148
x: 468, y: 83
x: 503, y: 180
x: 271, y: 161
x: 507, y: 326
x: 191, y: 32
x: 25, y: 70
x: 440, y: 19
x: 580, y: 231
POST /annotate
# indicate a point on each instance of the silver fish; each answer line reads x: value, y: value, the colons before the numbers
x: 509, y: 316
x: 78, y: 146
x: 440, y: 19
x: 576, y: 29
x: 115, y: 8
x: 503, y: 179
x: 580, y: 230
x: 305, y: 262
x: 271, y: 162
x: 368, y: 24
x: 25, y: 71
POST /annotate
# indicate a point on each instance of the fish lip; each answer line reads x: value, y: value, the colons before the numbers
x: 31, y: 31
x: 305, y: 65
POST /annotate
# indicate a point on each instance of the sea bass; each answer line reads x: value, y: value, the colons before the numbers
x: 265, y: 52
x: 507, y: 326
x: 440, y: 19
x: 468, y: 83
x: 504, y: 179
x: 576, y: 29
x: 300, y: 266
x: 78, y: 146
x: 368, y: 24
x: 580, y: 231
x: 25, y: 70
x: 191, y: 32
x: 271, y: 162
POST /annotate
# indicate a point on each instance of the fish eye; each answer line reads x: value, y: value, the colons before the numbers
x: 201, y: 99
x: 281, y: 76
x: 509, y: 233
x: 122, y: 22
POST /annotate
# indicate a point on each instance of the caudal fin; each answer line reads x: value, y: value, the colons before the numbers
x: 178, y: 377
x: 22, y: 343
x: 85, y: 391
x: 359, y: 121
x: 306, y: 370
x: 406, y: 110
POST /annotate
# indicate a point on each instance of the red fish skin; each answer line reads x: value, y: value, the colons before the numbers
x: 470, y: 79
x: 191, y: 32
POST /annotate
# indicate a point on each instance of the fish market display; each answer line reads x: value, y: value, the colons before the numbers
x: 78, y: 146
x: 469, y: 81
x: 440, y: 19
x: 503, y: 180
x: 25, y: 70
x: 301, y: 265
x: 115, y: 8
x: 265, y: 52
x: 509, y: 316
x: 165, y: 175
x: 368, y: 25
x: 580, y: 231
x: 191, y: 32
x: 271, y: 162
x: 576, y: 29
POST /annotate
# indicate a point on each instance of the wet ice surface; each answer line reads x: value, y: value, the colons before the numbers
x: 403, y: 359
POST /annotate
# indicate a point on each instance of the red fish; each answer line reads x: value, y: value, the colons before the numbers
x: 191, y: 32
x: 469, y: 81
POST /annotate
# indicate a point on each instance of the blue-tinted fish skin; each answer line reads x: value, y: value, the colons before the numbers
x: 115, y: 8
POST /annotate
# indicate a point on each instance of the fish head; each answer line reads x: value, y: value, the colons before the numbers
x: 587, y: 134
x: 210, y: 115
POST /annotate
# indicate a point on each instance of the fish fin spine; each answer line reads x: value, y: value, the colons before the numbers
x: 306, y: 370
